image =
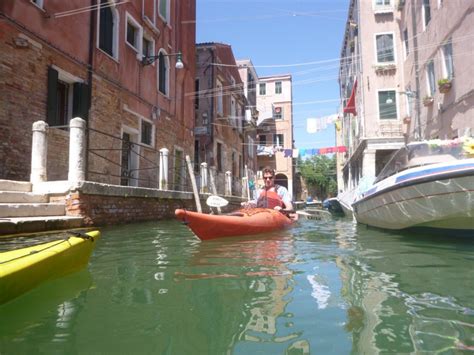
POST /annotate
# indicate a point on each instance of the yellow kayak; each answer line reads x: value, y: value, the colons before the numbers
x: 25, y: 268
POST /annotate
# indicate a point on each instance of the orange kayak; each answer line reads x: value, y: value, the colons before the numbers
x: 241, y: 222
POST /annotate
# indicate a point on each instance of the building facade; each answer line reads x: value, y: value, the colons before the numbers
x: 370, y: 79
x: 275, y: 127
x: 438, y: 71
x: 110, y: 63
x: 405, y: 75
x: 220, y: 113
x: 249, y: 78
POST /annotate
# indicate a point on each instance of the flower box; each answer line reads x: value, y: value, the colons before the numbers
x: 382, y: 69
x: 428, y: 101
x: 444, y: 85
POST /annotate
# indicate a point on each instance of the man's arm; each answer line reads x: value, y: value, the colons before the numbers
x: 285, y: 197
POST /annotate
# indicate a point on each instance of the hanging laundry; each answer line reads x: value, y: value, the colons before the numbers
x: 311, y: 125
x: 288, y: 153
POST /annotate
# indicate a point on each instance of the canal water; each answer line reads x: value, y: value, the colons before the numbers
x: 318, y: 288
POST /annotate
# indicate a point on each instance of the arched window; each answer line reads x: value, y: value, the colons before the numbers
x: 108, y: 28
x: 163, y: 72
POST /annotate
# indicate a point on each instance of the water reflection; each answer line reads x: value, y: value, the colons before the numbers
x: 406, y: 293
x: 320, y: 287
x: 47, y: 313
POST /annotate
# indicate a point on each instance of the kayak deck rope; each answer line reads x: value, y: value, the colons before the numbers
x: 81, y: 235
x: 73, y: 233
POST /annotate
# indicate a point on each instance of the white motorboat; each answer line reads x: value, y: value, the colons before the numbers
x: 426, y: 184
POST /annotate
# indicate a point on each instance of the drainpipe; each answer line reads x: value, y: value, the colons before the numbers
x: 418, y: 132
x: 89, y: 80
x: 211, y: 118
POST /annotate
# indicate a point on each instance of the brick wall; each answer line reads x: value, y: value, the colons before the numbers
x: 23, y: 87
x: 112, y: 210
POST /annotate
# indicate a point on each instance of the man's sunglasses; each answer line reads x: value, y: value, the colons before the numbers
x: 268, y: 178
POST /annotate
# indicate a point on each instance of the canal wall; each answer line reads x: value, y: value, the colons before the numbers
x: 102, y: 204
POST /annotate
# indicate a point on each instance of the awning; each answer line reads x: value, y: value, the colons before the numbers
x: 350, y: 107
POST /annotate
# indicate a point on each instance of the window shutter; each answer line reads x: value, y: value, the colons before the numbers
x: 80, y: 102
x: 52, y: 102
x: 106, y: 34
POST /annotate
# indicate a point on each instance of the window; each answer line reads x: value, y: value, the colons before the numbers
x: 239, y: 118
x: 164, y: 10
x: 134, y: 33
x: 262, y: 89
x: 387, y: 105
x: 262, y: 139
x: 278, y: 140
x: 234, y: 164
x: 405, y: 43
x: 385, y: 52
x: 220, y: 102
x: 219, y: 157
x: 147, y: 133
x: 232, y: 111
x: 426, y: 12
x: 68, y: 97
x: 448, y: 69
x: 108, y: 29
x: 196, y: 94
x: 278, y: 89
x: 197, y: 166
x: 383, y: 6
x: 277, y: 114
x: 431, y: 78
x: 148, y: 47
x: 250, y: 83
x: 163, y: 73
x: 38, y: 3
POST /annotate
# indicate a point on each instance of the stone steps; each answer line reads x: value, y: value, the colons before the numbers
x: 38, y: 224
x: 32, y: 209
x: 22, y: 197
x: 10, y: 185
x: 22, y: 211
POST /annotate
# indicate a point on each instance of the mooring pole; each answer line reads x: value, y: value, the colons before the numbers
x: 193, y: 183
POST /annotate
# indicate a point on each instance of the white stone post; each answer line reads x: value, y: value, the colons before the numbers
x: 77, y: 150
x: 228, y: 183
x: 204, y: 188
x: 163, y: 183
x: 39, y: 152
x: 368, y: 163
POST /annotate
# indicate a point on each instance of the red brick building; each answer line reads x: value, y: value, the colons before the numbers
x: 220, y: 114
x: 88, y: 58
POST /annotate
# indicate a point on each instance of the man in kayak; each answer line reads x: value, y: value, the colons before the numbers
x: 272, y: 195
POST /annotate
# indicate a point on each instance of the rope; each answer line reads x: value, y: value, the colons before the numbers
x: 73, y: 233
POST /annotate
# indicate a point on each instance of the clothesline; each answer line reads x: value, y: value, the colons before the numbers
x: 294, y: 153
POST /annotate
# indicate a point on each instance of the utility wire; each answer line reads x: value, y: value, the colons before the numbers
x: 87, y: 9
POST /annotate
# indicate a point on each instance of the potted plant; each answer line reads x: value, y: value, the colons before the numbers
x: 444, y: 85
x: 428, y: 100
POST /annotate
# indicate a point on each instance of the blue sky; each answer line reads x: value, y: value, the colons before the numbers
x: 282, y: 37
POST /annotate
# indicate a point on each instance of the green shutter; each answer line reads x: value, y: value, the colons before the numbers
x: 52, y: 102
x: 80, y: 102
